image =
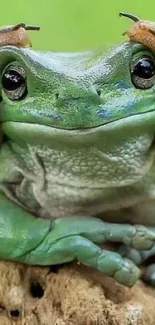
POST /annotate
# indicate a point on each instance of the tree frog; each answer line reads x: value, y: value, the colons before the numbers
x: 77, y: 161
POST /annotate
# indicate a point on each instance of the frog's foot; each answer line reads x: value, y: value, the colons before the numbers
x: 139, y: 257
x: 67, y: 239
x: 149, y: 275
x: 75, y: 239
x: 137, y: 236
x: 76, y: 247
x: 138, y: 254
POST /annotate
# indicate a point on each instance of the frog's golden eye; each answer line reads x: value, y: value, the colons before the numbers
x: 143, y: 72
x: 14, y: 83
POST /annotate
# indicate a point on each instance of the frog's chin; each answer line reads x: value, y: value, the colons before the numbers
x: 44, y: 134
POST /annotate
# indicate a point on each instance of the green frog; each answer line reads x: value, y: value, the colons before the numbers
x: 77, y: 160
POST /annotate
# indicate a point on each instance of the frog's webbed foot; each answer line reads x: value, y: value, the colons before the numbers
x: 36, y: 241
x: 140, y: 257
x: 82, y: 249
x: 75, y: 238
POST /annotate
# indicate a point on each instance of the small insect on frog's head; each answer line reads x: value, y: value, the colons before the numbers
x: 142, y: 31
x: 16, y: 35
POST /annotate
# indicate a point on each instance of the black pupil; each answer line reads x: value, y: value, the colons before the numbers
x: 145, y: 68
x: 12, y: 80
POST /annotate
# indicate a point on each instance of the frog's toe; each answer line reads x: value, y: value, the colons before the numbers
x: 128, y: 274
x: 149, y: 275
x: 136, y: 256
x: 110, y: 263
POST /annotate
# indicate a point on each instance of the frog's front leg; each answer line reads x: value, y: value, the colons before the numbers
x: 31, y: 240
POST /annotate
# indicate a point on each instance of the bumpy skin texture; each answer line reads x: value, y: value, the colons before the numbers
x: 79, y: 143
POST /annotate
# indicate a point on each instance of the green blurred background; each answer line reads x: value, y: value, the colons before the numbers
x: 75, y: 24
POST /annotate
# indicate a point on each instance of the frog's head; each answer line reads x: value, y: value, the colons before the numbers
x: 102, y: 102
x: 76, y: 91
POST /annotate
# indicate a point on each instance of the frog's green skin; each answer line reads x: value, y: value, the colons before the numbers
x: 78, y: 146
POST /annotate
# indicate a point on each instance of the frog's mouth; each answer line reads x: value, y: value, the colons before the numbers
x: 43, y: 134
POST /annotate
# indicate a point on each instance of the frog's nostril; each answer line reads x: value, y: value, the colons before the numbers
x: 98, y: 92
x: 56, y: 95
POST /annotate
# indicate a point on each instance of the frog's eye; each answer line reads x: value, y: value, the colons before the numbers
x: 14, y: 83
x: 143, y: 72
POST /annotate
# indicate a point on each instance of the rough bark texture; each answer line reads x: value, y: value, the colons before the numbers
x: 70, y: 295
